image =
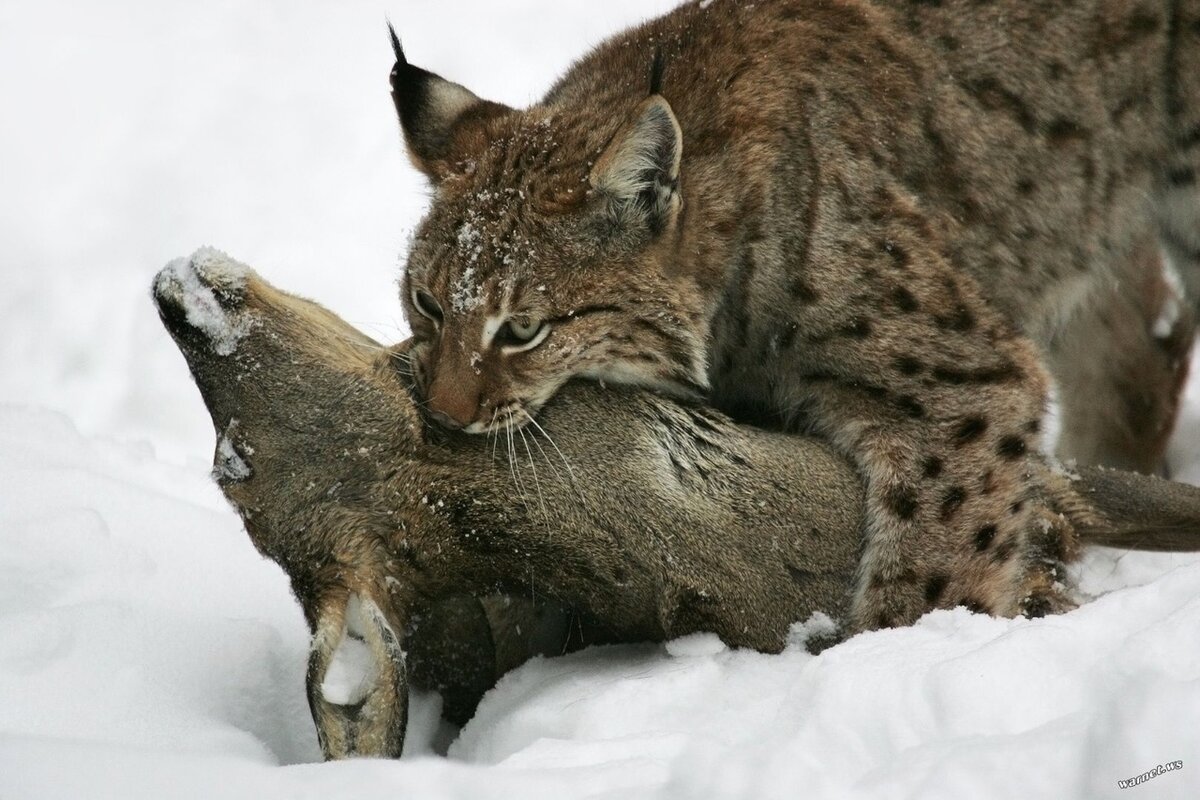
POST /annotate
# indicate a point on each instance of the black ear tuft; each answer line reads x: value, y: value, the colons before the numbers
x: 431, y: 109
x: 657, y: 68
x: 396, y: 48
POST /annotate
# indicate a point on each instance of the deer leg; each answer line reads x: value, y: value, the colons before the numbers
x: 357, y: 685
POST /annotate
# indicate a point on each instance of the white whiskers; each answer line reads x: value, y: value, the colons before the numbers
x: 529, y: 418
x: 502, y: 424
x: 533, y: 468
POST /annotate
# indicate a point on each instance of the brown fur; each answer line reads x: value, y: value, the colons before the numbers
x: 1124, y: 358
x: 634, y: 518
x: 876, y: 221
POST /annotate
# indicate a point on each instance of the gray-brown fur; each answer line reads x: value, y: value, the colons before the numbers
x: 1123, y: 358
x: 888, y: 220
x: 649, y: 519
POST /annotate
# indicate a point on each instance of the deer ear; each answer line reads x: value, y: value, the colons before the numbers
x: 639, y: 170
x: 433, y: 113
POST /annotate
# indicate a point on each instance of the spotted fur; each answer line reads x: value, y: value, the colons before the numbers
x: 889, y: 223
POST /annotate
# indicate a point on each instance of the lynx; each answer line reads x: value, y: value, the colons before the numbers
x: 891, y: 224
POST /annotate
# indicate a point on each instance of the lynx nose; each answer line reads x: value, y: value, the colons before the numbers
x: 451, y: 403
x: 454, y: 396
x: 446, y: 421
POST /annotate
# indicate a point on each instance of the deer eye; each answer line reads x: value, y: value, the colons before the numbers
x: 428, y: 307
x: 518, y: 333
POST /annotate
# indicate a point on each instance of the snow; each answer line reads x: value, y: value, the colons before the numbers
x: 352, y: 671
x: 1173, y: 305
x: 181, y: 278
x: 468, y: 293
x: 147, y: 650
x: 227, y: 464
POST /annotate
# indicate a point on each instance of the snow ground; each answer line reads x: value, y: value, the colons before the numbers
x: 146, y: 651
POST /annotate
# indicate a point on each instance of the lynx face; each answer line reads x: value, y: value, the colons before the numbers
x: 545, y: 256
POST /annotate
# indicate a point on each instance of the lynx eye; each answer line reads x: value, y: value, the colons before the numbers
x: 521, y: 333
x: 428, y: 307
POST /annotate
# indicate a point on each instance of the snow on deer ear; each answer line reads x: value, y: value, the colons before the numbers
x: 437, y: 116
x: 639, y: 170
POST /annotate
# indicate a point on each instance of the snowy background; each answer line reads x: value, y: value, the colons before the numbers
x: 147, y: 652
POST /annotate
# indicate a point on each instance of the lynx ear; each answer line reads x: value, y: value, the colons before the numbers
x: 639, y: 170
x: 432, y: 112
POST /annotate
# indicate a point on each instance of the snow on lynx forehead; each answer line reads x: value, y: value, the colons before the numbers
x: 482, y: 226
x: 182, y: 277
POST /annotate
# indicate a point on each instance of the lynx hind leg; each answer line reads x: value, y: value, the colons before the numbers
x: 1120, y: 364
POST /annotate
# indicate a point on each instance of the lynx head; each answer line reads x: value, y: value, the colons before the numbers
x: 547, y: 252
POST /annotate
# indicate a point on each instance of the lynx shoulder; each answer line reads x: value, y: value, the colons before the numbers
x: 889, y: 223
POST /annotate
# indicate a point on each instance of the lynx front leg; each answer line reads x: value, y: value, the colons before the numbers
x: 904, y: 367
x: 955, y: 516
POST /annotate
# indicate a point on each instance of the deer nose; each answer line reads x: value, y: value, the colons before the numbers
x: 446, y: 421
